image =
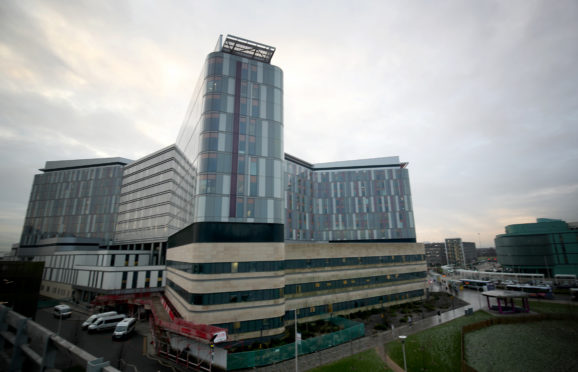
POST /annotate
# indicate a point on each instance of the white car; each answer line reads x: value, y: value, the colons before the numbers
x: 106, y: 323
x: 124, y: 328
x: 91, y: 319
x: 62, y: 311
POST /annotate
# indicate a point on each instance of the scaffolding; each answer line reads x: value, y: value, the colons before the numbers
x: 185, y: 343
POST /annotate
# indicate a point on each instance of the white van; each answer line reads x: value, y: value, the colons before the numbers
x: 124, y: 328
x: 107, y: 322
x: 91, y: 319
x: 62, y: 311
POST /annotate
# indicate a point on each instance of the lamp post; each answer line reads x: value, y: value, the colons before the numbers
x: 297, y: 342
x: 402, y: 338
x: 59, y: 323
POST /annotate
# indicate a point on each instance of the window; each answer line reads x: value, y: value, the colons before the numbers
x: 250, y: 207
x: 124, y: 277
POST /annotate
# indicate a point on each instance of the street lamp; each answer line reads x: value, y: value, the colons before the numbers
x: 402, y: 338
x: 59, y: 322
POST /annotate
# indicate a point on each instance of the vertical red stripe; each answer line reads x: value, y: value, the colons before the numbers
x: 235, y: 157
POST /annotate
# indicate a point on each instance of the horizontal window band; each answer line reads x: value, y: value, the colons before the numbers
x: 228, y: 232
x: 264, y: 266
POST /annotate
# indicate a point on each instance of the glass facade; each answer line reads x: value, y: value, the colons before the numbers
x: 385, y: 300
x: 353, y: 203
x: 156, y: 197
x: 548, y: 247
x: 233, y: 136
x: 262, y: 266
x: 330, y: 286
x: 226, y: 195
x: 76, y: 198
x: 219, y: 298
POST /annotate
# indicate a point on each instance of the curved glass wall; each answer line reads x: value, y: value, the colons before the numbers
x: 233, y: 135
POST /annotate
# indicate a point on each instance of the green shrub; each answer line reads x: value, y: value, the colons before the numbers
x: 429, y: 306
x: 381, y: 327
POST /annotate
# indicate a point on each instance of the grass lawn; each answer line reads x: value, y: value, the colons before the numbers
x: 547, y: 346
x: 361, y: 362
x: 544, y: 306
x: 435, y: 349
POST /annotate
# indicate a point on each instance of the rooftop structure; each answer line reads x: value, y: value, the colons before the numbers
x: 58, y: 165
x: 238, y: 46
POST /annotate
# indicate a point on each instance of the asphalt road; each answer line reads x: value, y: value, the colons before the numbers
x: 126, y: 355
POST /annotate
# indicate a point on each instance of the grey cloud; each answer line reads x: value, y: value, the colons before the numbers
x: 19, y: 32
x: 480, y: 97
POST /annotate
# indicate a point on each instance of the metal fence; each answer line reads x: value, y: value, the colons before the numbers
x: 249, y: 359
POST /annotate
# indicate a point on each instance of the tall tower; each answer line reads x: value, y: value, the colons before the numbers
x: 233, y: 135
x: 228, y: 263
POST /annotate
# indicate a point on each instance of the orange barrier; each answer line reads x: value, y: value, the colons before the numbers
x: 201, y: 332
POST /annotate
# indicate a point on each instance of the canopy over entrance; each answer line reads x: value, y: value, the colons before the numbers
x: 505, y: 301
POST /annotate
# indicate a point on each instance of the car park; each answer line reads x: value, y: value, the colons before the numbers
x: 94, y: 317
x: 124, y: 329
x: 61, y: 311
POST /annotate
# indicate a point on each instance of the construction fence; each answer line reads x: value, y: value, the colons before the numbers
x: 257, y: 358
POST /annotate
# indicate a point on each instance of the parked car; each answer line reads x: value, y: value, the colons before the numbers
x: 94, y: 317
x: 124, y: 329
x: 106, y: 323
x: 62, y: 311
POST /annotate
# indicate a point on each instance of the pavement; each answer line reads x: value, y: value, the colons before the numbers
x: 131, y: 354
x: 474, y: 299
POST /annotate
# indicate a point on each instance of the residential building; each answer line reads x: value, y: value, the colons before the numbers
x: 470, y: 252
x: 435, y: 254
x: 454, y: 252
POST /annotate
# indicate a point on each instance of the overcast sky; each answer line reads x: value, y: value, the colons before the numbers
x: 480, y: 97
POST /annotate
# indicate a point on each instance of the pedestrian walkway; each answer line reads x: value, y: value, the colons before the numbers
x: 333, y: 354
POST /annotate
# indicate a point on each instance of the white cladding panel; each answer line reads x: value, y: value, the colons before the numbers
x: 82, y: 278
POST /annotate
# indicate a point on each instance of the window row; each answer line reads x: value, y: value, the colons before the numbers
x: 75, y: 175
x: 352, y: 261
x: 257, y: 108
x: 354, y: 304
x: 226, y: 297
x: 252, y: 325
x: 264, y: 73
x: 272, y: 323
x: 226, y: 267
x: 264, y: 266
x: 223, y: 122
x: 351, y: 283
